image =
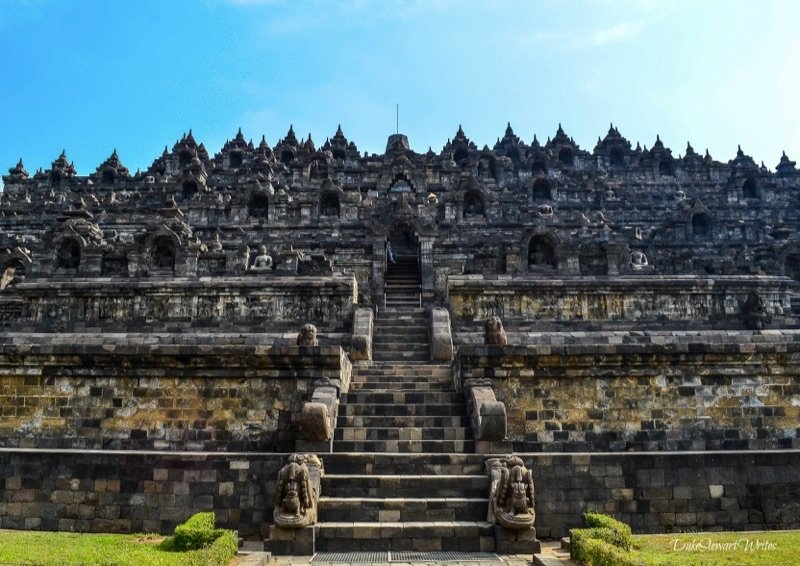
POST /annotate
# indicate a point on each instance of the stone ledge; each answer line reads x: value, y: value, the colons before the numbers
x: 172, y: 283
x: 632, y: 342
x: 640, y: 283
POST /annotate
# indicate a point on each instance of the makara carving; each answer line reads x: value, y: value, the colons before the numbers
x: 511, y: 502
x: 298, y: 491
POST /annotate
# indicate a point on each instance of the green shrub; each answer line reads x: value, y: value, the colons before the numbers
x: 623, y: 537
x: 607, y: 542
x: 596, y: 552
x: 579, y: 536
x: 219, y: 553
x: 196, y: 533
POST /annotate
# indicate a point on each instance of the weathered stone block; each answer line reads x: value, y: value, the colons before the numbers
x: 291, y: 542
x: 361, y: 344
x: 440, y: 335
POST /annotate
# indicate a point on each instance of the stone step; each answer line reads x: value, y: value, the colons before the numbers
x: 399, y: 270
x: 402, y: 293
x: 401, y: 357
x: 401, y: 421
x: 411, y: 381
x: 394, y: 348
x: 400, y: 302
x: 425, y: 536
x: 393, y: 354
x: 393, y: 327
x: 396, y: 410
x: 404, y: 485
x: 400, y: 330
x: 399, y: 299
x: 471, y: 465
x: 406, y: 301
x: 408, y: 376
x: 411, y: 365
x: 411, y: 373
x: 392, y: 509
x: 402, y: 397
x: 412, y: 320
x: 401, y: 284
x: 420, y: 311
x: 405, y: 446
x: 421, y: 385
x: 411, y: 335
x: 384, y: 318
x: 403, y: 433
x: 391, y: 369
x: 412, y: 338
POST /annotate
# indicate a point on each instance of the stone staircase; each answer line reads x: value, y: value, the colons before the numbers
x: 403, y: 476
x: 402, y: 283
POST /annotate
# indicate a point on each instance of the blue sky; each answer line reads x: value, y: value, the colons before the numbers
x: 91, y: 76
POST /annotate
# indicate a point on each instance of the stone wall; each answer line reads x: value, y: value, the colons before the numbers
x: 115, y: 491
x: 617, y: 391
x: 550, y: 303
x: 217, y: 392
x: 132, y: 492
x: 658, y: 492
x: 253, y: 302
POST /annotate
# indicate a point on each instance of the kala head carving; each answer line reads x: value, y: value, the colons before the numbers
x: 511, y: 503
x: 493, y: 332
x: 298, y: 492
x: 307, y: 336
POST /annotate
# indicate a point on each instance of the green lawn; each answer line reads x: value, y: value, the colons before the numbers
x: 771, y: 548
x: 72, y: 549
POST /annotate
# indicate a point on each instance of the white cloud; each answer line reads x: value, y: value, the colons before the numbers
x: 252, y: 2
x: 617, y: 33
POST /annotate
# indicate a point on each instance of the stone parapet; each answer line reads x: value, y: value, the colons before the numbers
x: 612, y: 391
x: 361, y: 344
x: 608, y: 303
x: 214, y: 302
x: 164, y: 391
x: 440, y: 336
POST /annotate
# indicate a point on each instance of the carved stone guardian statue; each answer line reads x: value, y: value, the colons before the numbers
x: 307, y: 336
x: 298, y: 491
x: 493, y: 332
x: 511, y: 494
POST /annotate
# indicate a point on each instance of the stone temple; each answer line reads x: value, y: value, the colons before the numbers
x: 337, y: 351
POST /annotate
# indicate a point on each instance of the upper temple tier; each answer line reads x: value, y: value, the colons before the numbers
x: 650, y: 235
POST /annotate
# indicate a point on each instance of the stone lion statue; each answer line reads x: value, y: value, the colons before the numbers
x: 494, y: 333
x: 307, y: 336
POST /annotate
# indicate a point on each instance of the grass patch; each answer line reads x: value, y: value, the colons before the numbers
x: 762, y: 548
x: 42, y: 548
